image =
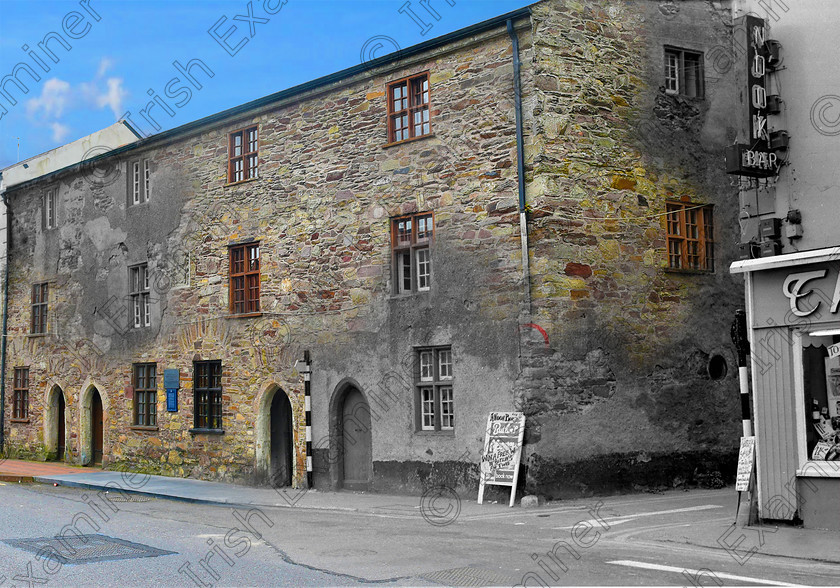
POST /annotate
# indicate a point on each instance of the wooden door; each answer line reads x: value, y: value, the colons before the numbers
x: 60, y: 427
x: 356, y: 443
x: 282, y: 445
x: 96, y: 426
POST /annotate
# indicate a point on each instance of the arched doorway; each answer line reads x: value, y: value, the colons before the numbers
x: 281, y: 441
x: 55, y: 421
x: 97, y: 428
x: 354, y: 437
x: 60, y: 425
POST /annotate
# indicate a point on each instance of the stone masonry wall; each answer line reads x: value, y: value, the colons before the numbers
x: 619, y: 393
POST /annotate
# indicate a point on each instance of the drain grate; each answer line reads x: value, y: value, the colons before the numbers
x: 128, y: 498
x: 468, y: 577
x: 80, y: 549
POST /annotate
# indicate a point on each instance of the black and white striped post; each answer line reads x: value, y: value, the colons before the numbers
x: 307, y: 374
x: 742, y: 346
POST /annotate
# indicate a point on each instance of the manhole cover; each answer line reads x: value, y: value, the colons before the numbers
x: 468, y: 577
x: 80, y: 549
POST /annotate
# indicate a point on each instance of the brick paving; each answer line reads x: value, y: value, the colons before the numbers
x: 17, y: 467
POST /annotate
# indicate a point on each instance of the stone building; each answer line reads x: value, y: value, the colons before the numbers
x: 371, y: 221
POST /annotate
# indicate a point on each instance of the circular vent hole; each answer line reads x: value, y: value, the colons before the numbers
x: 717, y: 367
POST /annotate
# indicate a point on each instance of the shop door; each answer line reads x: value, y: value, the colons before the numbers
x: 356, y: 443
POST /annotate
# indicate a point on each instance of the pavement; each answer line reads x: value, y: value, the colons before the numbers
x: 716, y: 531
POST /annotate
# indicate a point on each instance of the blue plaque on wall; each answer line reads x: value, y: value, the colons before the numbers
x: 171, y: 400
x: 171, y: 379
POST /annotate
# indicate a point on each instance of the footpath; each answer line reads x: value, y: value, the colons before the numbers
x: 714, y: 533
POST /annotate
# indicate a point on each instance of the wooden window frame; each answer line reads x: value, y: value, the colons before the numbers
x: 144, y: 380
x: 207, y: 395
x: 140, y: 295
x: 51, y: 208
x: 250, y: 277
x: 431, y: 388
x: 20, y: 406
x: 248, y: 172
x: 412, y: 249
x: 139, y: 182
x: 410, y: 109
x: 680, y: 76
x: 681, y: 246
x: 39, y: 308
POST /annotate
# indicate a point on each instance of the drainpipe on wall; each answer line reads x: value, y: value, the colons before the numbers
x: 5, y: 325
x: 520, y: 165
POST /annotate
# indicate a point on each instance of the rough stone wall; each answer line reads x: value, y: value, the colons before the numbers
x: 321, y: 211
x: 618, y: 384
x: 619, y: 393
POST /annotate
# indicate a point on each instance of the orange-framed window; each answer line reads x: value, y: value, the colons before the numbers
x: 40, y: 295
x: 691, y: 243
x: 243, y: 156
x: 245, y: 278
x: 409, y: 108
x: 411, y: 237
x: 145, y: 394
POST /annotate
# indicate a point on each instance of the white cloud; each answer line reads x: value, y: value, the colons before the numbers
x: 60, y: 131
x: 113, y: 98
x: 53, y: 99
x: 105, y: 64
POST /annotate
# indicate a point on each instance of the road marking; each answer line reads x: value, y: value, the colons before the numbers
x: 617, y: 520
x: 697, y: 573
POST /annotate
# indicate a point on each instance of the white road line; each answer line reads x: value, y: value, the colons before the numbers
x: 697, y: 573
x: 617, y: 520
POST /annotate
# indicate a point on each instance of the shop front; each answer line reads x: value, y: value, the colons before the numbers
x: 793, y: 309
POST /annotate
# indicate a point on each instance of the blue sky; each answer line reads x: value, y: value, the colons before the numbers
x: 115, y: 60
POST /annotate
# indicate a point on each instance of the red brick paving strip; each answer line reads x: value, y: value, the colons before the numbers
x: 17, y: 467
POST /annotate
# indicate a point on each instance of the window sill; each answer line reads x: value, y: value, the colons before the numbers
x: 819, y: 469
x: 19, y: 421
x: 410, y: 294
x: 244, y: 315
x: 240, y: 182
x: 143, y: 428
x: 37, y: 335
x: 207, y: 431
x: 672, y: 270
x: 426, y: 433
x: 404, y: 141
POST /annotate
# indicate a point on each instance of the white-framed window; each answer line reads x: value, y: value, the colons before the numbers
x: 50, y: 208
x: 684, y: 72
x: 411, y: 237
x: 140, y: 181
x: 435, y: 380
x: 139, y: 295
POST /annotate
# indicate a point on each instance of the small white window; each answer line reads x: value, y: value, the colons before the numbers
x: 445, y: 363
x: 428, y: 396
x: 147, y: 178
x: 136, y: 183
x: 447, y: 409
x: 50, y: 202
x: 426, y: 366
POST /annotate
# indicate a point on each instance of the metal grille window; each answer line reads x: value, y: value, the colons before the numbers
x: 243, y: 162
x: 50, y: 205
x: 145, y: 394
x: 690, y: 237
x: 139, y: 294
x: 435, y: 400
x: 40, y: 294
x: 245, y: 278
x: 410, y: 239
x: 20, y: 409
x: 684, y: 72
x: 409, y: 108
x: 208, y: 394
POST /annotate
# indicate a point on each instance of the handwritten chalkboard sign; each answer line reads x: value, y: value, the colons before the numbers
x: 502, y: 450
x: 746, y: 462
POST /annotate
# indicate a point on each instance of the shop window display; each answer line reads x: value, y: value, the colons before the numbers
x: 822, y: 399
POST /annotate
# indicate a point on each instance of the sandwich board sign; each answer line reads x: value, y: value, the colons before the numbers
x: 502, y: 451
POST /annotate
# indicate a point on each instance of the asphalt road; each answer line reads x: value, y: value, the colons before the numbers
x: 226, y: 546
